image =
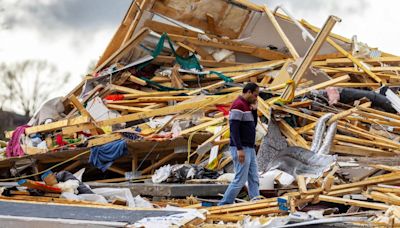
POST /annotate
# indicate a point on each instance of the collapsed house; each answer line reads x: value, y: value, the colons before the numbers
x: 155, y: 108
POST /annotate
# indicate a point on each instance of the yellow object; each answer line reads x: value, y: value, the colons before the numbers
x: 107, y: 129
x: 282, y: 101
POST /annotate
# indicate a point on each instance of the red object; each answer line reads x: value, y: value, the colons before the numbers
x: 40, y: 186
x: 60, y: 141
x: 224, y: 109
x: 115, y: 97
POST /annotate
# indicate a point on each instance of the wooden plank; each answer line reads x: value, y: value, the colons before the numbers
x: 333, y: 118
x: 211, y: 23
x: 204, y: 62
x: 130, y: 45
x: 323, y: 85
x: 79, y: 106
x: 133, y: 25
x: 203, y: 126
x: 104, y: 139
x: 348, y: 55
x: 155, y: 94
x: 123, y: 89
x: 127, y: 108
x: 217, y: 85
x: 370, y: 181
x: 281, y: 33
x: 77, y: 128
x: 357, y: 203
x: 57, y: 125
x: 164, y: 98
x: 115, y: 169
x: 301, y: 183
x: 289, y: 132
x: 311, y: 53
x: 232, y: 46
x: 170, y: 109
x: 160, y: 27
x: 137, y: 80
x: 119, y: 35
x: 159, y: 163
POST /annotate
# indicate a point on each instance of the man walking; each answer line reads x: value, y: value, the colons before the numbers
x: 243, y: 122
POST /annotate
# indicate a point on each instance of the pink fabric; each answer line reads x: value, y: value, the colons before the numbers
x: 14, y: 148
x: 333, y: 95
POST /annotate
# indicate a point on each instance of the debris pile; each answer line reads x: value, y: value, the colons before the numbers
x: 328, y: 132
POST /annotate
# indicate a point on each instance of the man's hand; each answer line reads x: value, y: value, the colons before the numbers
x: 241, y: 156
x: 254, y: 106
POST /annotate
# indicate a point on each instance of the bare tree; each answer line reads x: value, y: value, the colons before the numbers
x: 25, y: 85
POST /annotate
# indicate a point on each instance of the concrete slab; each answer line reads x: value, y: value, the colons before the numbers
x: 167, y: 190
x: 68, y: 212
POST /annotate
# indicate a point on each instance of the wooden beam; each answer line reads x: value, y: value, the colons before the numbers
x: 77, y: 128
x: 211, y: 23
x: 133, y: 25
x: 311, y: 53
x: 159, y: 163
x: 301, y: 183
x: 57, y: 125
x: 127, y: 108
x: 79, y: 106
x: 115, y: 169
x: 262, y: 53
x: 116, y: 41
x: 170, y: 109
x: 348, y: 55
x: 357, y: 203
x: 203, y: 126
x: 123, y: 89
x: 281, y: 33
x: 322, y: 85
x: 104, y: 139
x: 127, y: 47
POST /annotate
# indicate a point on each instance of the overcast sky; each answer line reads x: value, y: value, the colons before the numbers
x: 73, y: 33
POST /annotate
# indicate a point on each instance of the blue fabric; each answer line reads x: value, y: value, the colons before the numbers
x: 103, y: 156
x: 246, y: 172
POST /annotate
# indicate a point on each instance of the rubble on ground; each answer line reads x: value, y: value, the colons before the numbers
x: 155, y: 109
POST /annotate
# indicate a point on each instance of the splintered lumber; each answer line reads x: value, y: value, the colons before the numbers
x: 104, y: 139
x: 292, y: 134
x: 301, y: 182
x: 239, y: 208
x: 379, y: 179
x: 385, y: 189
x: 334, y: 118
x: 57, y: 125
x: 77, y: 128
x: 119, y: 36
x: 133, y: 25
x: 262, y: 53
x: 322, y: 85
x: 243, y: 206
x: 170, y: 109
x: 311, y: 53
x: 79, y: 106
x: 203, y: 125
x: 159, y: 163
x: 281, y: 33
x: 348, y: 55
x: 225, y: 218
x: 123, y: 89
x: 357, y: 203
x: 128, y: 46
x: 127, y: 108
x: 265, y: 211
x: 383, y: 197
